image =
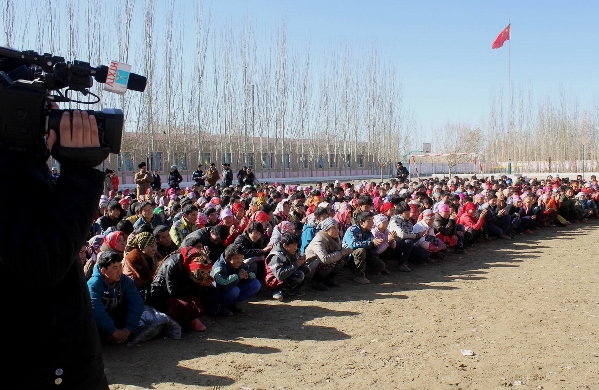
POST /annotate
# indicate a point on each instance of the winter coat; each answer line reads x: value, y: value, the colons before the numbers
x: 212, y: 176
x: 403, y: 228
x: 139, y: 268
x: 106, y: 298
x: 155, y: 222
x: 282, y: 263
x: 445, y: 226
x: 198, y: 177
x: 227, y: 177
x: 308, y: 234
x: 471, y: 222
x: 156, y: 182
x: 143, y: 181
x: 251, y: 248
x: 225, y: 276
x: 106, y: 222
x: 174, y: 178
x: 115, y: 182
x: 171, y: 280
x: 241, y: 176
x: 323, y: 248
x: 356, y: 238
x: 42, y: 278
x: 383, y: 235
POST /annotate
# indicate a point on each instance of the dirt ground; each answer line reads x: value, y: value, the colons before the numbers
x: 527, y: 308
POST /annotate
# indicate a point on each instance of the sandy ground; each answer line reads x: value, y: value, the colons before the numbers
x: 527, y: 308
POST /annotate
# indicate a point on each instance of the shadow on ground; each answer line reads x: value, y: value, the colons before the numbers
x: 266, y: 319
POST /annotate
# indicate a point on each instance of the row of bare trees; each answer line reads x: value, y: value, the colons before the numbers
x: 228, y: 91
x: 533, y: 134
x: 235, y: 92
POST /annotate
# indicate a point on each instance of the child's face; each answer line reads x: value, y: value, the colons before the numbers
x: 291, y: 248
x: 236, y: 260
x: 82, y: 254
x: 164, y: 239
x: 383, y: 226
x: 113, y: 272
x: 255, y: 235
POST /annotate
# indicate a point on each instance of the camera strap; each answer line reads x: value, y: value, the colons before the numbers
x: 80, y: 157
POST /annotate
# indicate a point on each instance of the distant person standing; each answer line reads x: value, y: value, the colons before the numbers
x: 402, y: 173
x: 174, y: 178
x: 241, y: 176
x: 227, y: 175
x: 198, y: 177
x: 108, y: 181
x: 143, y: 179
x: 250, y: 178
x: 212, y: 175
x: 157, y: 181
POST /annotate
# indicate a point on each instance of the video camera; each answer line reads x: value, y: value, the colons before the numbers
x: 26, y: 79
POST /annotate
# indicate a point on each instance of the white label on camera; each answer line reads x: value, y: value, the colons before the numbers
x: 117, y: 78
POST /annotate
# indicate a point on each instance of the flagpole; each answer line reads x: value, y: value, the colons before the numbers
x: 509, y: 82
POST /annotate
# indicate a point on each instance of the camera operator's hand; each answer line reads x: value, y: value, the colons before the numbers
x: 83, y: 133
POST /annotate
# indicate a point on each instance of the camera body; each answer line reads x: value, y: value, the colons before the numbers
x: 26, y: 81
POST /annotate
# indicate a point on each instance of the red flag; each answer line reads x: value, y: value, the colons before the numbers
x: 501, y: 38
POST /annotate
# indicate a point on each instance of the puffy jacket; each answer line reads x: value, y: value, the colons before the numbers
x: 324, y: 248
x: 174, y: 178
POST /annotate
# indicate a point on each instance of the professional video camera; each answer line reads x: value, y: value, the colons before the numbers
x: 26, y: 80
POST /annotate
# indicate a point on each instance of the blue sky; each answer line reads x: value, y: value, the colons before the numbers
x: 442, y: 49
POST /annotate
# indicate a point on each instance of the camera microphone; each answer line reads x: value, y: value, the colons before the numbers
x: 135, y: 82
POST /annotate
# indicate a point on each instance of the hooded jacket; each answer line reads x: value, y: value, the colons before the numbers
x: 106, y: 298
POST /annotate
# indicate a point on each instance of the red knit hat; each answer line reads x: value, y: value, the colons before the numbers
x: 386, y: 207
x: 261, y: 216
x: 236, y: 208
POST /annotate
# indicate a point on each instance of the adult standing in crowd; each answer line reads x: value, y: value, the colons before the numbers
x: 143, y: 180
x: 198, y: 177
x: 212, y: 175
x: 401, y: 173
x: 174, y: 178
x: 156, y: 181
x: 227, y: 175
x: 241, y: 176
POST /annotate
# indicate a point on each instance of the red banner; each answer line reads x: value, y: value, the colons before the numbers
x: 502, y: 37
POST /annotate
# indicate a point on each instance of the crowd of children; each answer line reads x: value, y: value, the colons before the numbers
x: 203, y: 250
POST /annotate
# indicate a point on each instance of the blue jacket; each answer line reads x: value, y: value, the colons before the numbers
x: 356, y: 238
x: 307, y: 235
x: 225, y: 276
x: 106, y: 298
